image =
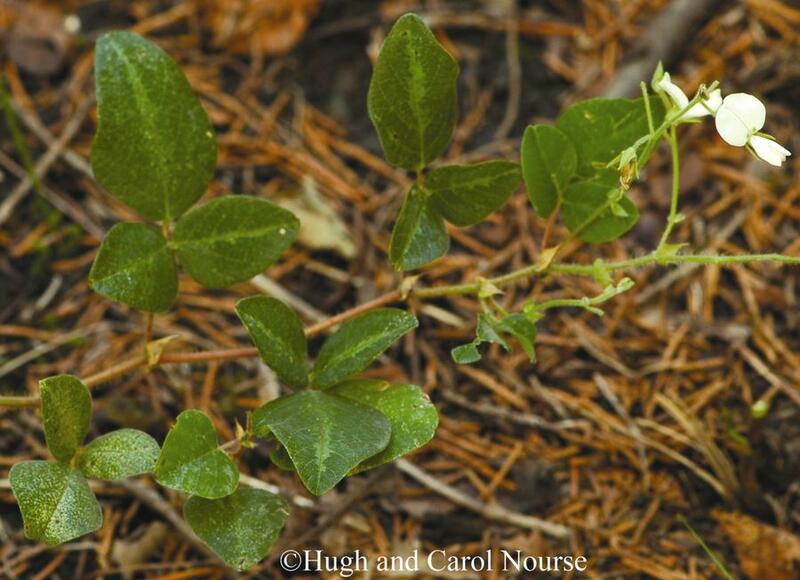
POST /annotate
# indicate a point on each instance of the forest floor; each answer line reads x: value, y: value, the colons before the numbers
x: 633, y: 430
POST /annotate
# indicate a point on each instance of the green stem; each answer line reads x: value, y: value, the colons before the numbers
x: 18, y: 402
x: 672, y: 219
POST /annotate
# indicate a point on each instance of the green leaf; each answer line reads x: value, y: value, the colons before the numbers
x: 523, y: 329
x: 154, y: 147
x: 191, y: 460
x: 466, y: 354
x: 591, y: 209
x: 602, y: 128
x: 488, y: 330
x: 358, y: 342
x: 412, y: 415
x: 119, y: 454
x: 134, y: 266
x: 412, y: 97
x: 66, y: 413
x: 419, y: 236
x: 549, y: 161
x: 56, y: 502
x: 325, y: 436
x: 231, y: 239
x: 241, y: 527
x: 278, y: 334
x: 280, y: 457
x: 466, y: 194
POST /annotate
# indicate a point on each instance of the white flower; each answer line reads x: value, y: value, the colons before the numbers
x: 739, y: 119
x: 770, y: 151
x: 706, y: 107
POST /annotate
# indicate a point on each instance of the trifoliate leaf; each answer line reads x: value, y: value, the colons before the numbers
x: 154, y: 148
x: 419, y: 236
x: 134, y: 266
x: 119, y: 454
x: 412, y: 95
x: 466, y: 194
x: 278, y: 334
x: 413, y: 417
x: 588, y: 209
x: 56, y: 502
x: 191, y: 460
x: 241, y: 527
x: 231, y: 239
x: 600, y: 129
x: 325, y: 436
x: 549, y: 161
x: 66, y: 413
x: 358, y: 342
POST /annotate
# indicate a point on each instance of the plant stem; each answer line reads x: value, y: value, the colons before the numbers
x: 18, y: 402
x: 672, y: 219
x: 139, y: 361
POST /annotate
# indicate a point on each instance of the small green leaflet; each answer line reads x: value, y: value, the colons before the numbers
x: 466, y: 194
x: 358, y: 342
x: 241, y: 527
x: 66, y: 413
x: 231, y: 239
x: 524, y: 330
x: 549, y: 161
x: 154, y: 148
x: 466, y: 354
x: 192, y: 461
x: 325, y: 436
x: 413, y: 417
x: 278, y: 334
x: 55, y: 500
x: 119, y: 454
x: 602, y: 128
x: 412, y: 97
x: 419, y: 236
x: 134, y: 266
x: 490, y: 329
x: 596, y: 210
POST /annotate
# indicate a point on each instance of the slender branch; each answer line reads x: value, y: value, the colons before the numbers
x: 18, y: 402
x: 139, y: 361
x: 672, y: 219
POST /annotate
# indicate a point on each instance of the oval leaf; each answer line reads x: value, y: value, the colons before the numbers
x: 191, y: 460
x: 154, y: 148
x: 588, y: 213
x: 134, y: 266
x: 325, y: 436
x: 358, y: 342
x: 419, y: 236
x: 66, y: 413
x: 412, y: 97
x: 549, y: 161
x: 278, y: 334
x: 602, y: 128
x: 55, y: 500
x: 118, y: 455
x: 413, y: 417
x: 241, y: 527
x: 466, y: 194
x: 231, y: 239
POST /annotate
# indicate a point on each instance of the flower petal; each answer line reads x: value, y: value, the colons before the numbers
x: 739, y: 116
x: 749, y: 109
x: 673, y: 90
x: 770, y: 151
x: 714, y: 100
